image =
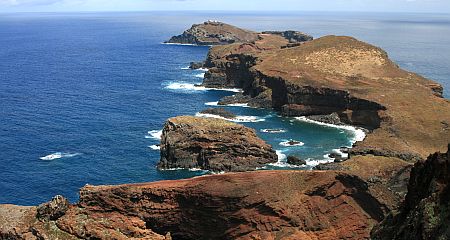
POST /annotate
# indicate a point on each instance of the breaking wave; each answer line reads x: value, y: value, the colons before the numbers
x: 190, y: 87
x: 58, y: 155
x: 291, y: 143
x: 154, y: 134
x: 236, y: 119
x: 358, y: 133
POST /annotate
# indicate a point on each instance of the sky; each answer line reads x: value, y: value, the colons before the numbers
x: 436, y: 6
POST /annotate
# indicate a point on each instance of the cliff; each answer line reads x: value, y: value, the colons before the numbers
x: 425, y: 212
x: 252, y: 205
x: 405, y: 113
x: 212, y: 144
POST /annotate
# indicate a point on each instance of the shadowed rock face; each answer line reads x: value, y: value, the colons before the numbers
x: 212, y: 144
x: 425, y: 213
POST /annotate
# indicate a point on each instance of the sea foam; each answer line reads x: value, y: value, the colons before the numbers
x: 190, y: 87
x: 358, y: 133
x: 290, y: 144
x: 227, y: 105
x: 275, y: 130
x: 154, y: 134
x: 200, y: 75
x: 58, y: 155
x: 154, y: 147
x: 236, y: 119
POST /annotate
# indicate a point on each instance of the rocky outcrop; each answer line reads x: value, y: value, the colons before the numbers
x: 196, y: 65
x: 291, y: 36
x: 214, y: 33
x: 293, y: 160
x: 221, y: 112
x: 252, y: 205
x: 212, y: 144
x: 54, y: 209
x: 425, y: 213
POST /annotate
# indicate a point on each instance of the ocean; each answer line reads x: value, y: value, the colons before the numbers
x: 83, y: 96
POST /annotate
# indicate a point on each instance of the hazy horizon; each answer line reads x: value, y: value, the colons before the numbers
x: 359, y: 6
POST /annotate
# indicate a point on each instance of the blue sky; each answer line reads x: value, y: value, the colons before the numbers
x: 442, y: 6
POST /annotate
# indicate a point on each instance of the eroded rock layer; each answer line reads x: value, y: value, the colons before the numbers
x: 252, y: 205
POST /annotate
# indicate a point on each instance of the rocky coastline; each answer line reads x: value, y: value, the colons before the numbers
x: 385, y: 182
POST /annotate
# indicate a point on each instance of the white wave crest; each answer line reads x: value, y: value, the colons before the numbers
x: 239, y: 119
x: 227, y: 105
x: 291, y: 143
x: 181, y: 44
x: 189, y: 87
x: 154, y: 147
x: 358, y: 133
x: 212, y: 103
x: 266, y: 130
x: 185, y: 68
x: 58, y: 155
x: 314, y: 162
x: 154, y: 134
x: 200, y: 75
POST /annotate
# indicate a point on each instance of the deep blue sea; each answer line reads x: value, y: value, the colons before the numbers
x: 90, y: 90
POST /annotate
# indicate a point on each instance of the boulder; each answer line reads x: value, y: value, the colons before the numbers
x: 212, y: 144
x: 53, y: 209
x: 196, y: 65
x: 295, y: 161
x: 219, y: 112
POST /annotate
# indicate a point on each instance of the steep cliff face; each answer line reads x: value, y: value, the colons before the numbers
x: 425, y: 213
x: 212, y: 144
x: 253, y: 205
x: 406, y: 113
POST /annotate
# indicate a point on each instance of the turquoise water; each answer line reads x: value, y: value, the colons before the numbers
x: 79, y: 93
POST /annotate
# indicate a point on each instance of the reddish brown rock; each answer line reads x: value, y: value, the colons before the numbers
x: 253, y: 205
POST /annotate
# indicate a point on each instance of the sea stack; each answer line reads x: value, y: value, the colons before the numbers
x: 212, y: 144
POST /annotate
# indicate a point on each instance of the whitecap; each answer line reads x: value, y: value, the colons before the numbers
x: 212, y: 103
x: 185, y: 68
x: 155, y: 147
x: 358, y: 133
x: 58, y: 155
x: 180, y: 44
x: 291, y: 143
x: 154, y: 134
x: 200, y: 75
x: 267, y: 130
x: 189, y: 87
x: 202, y: 69
x: 239, y: 119
x: 314, y: 162
x: 227, y: 105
